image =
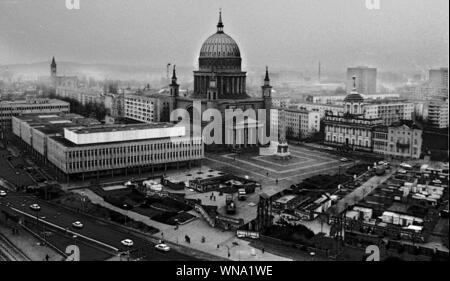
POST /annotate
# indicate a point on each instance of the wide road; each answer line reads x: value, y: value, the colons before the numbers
x: 103, y: 234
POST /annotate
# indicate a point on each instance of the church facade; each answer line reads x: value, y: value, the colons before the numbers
x: 220, y: 82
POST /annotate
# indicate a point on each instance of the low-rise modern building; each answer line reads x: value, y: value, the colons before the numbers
x: 389, y: 111
x: 9, y: 109
x: 78, y: 147
x: 148, y: 107
x: 297, y: 123
x: 339, y: 99
x: 323, y: 109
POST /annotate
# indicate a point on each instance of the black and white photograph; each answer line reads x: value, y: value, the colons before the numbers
x: 224, y: 136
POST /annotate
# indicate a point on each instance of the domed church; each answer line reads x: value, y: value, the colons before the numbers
x: 220, y: 82
x: 220, y: 55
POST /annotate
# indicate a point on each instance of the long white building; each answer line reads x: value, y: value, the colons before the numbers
x: 78, y: 148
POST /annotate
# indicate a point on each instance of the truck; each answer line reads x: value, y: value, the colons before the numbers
x: 230, y: 205
x: 242, y: 194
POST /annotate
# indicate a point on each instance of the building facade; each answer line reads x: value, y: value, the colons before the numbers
x: 79, y: 149
x: 438, y: 79
x: 351, y: 129
x: 298, y: 123
x: 398, y: 140
x: 389, y: 111
x: 437, y: 113
x: 321, y: 108
x: 9, y: 109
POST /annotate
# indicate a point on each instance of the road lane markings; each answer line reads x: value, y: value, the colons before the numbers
x: 67, y: 230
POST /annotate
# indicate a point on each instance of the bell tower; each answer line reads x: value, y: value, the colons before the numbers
x: 174, y: 87
x: 53, y: 68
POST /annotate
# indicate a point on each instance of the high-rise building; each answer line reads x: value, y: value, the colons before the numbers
x: 439, y: 80
x: 366, y: 79
x: 438, y: 113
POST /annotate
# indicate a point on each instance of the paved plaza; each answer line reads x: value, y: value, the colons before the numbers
x: 304, y: 162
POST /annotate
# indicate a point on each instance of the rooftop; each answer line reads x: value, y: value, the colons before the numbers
x: 120, y: 127
x: 32, y: 101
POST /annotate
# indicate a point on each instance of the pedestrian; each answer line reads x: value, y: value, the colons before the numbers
x: 262, y: 250
x: 218, y: 246
x: 47, y: 257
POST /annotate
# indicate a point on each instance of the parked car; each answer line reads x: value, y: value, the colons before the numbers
x: 344, y: 159
x: 127, y: 242
x: 162, y: 247
x: 2, y: 193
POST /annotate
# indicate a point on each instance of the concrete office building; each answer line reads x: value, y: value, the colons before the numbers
x: 438, y: 79
x: 389, y: 111
x: 9, y: 109
x: 148, y: 107
x: 437, y: 113
x: 78, y: 147
x: 366, y: 79
x: 319, y: 107
x: 298, y: 123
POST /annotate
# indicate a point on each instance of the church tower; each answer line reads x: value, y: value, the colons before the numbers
x: 53, y: 68
x: 174, y: 87
x: 267, y: 97
x: 266, y: 88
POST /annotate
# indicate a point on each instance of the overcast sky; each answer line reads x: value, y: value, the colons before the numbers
x: 403, y: 34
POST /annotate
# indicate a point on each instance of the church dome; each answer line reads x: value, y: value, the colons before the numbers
x: 220, y: 45
x: 220, y: 52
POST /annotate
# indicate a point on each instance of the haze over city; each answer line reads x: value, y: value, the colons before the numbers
x: 407, y: 35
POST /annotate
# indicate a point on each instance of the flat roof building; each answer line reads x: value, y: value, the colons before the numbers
x: 80, y: 147
x: 10, y: 108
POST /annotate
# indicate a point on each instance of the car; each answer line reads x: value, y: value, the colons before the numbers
x: 77, y: 224
x: 127, y: 242
x: 162, y: 247
x: 2, y: 193
x: 344, y: 159
x: 35, y: 207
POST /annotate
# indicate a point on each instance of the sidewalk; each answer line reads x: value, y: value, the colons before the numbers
x: 195, y: 230
x: 240, y: 250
